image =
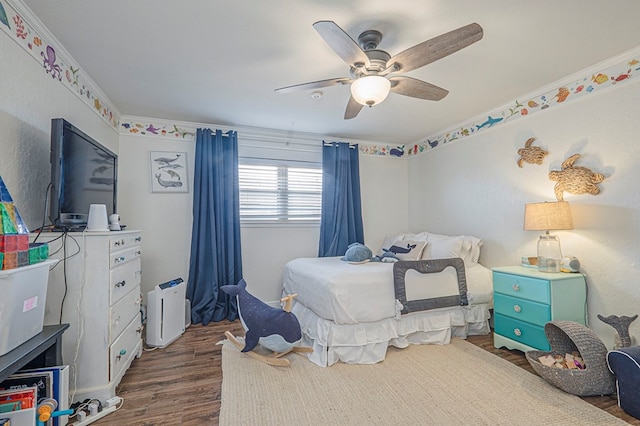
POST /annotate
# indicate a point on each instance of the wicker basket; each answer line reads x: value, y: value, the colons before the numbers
x: 566, y: 337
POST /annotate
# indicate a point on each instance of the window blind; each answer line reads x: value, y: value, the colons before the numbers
x: 279, y: 192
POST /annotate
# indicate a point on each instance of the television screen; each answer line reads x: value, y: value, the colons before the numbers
x: 83, y: 172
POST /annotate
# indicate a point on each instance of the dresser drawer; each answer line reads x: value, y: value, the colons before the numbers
x: 121, y: 257
x: 524, y: 310
x: 520, y: 331
x: 122, y: 279
x: 122, y: 241
x: 123, y: 312
x: 124, y: 348
x: 522, y: 287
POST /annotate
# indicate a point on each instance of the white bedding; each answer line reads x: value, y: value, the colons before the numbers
x: 347, y: 293
x: 349, y: 313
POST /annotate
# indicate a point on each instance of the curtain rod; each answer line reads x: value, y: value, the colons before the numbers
x: 351, y: 146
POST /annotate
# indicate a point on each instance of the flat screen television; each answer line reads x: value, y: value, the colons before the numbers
x: 83, y: 172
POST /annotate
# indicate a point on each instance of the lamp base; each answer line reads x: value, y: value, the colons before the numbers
x: 549, y: 254
x: 548, y: 265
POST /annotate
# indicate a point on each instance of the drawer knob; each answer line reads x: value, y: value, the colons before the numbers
x: 517, y: 308
x: 138, y: 239
x: 119, y: 259
x: 517, y: 332
x: 119, y: 243
x: 121, y: 283
x: 123, y: 351
x: 139, y: 330
x: 139, y: 252
x: 515, y: 287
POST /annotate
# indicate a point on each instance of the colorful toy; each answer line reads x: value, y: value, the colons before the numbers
x: 14, y: 235
x: 47, y: 410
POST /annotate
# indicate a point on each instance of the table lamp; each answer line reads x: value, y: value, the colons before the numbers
x: 545, y: 217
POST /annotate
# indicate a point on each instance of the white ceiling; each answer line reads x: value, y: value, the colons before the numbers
x: 218, y: 62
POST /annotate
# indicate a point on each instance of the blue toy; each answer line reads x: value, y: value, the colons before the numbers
x: 275, y: 329
x: 359, y: 253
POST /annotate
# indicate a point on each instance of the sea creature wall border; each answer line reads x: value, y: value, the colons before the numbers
x: 613, y: 76
x: 58, y: 64
x: 18, y: 23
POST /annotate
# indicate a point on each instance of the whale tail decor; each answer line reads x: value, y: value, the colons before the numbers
x: 277, y: 330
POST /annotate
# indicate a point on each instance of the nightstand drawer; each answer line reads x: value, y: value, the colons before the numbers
x: 524, y: 310
x: 522, y: 287
x: 522, y: 332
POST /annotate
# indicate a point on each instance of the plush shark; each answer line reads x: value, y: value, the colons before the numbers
x: 276, y: 329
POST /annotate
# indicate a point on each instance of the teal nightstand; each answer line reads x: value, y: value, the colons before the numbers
x: 524, y: 300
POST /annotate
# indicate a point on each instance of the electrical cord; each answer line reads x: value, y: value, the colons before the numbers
x: 44, y: 215
x: 80, y: 315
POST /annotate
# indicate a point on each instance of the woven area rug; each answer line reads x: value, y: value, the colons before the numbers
x: 456, y: 384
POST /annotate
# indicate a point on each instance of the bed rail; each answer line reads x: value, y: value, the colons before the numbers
x: 400, y: 270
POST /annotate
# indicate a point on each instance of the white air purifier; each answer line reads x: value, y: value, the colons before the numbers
x: 166, y: 313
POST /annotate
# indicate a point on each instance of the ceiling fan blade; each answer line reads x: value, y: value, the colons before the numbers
x: 415, y: 88
x: 314, y: 84
x: 353, y: 109
x: 437, y: 48
x: 341, y: 43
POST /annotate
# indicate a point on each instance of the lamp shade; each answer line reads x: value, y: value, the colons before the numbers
x: 370, y: 90
x: 547, y: 216
x: 544, y: 217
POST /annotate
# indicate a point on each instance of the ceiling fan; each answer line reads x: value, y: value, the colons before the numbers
x: 373, y: 72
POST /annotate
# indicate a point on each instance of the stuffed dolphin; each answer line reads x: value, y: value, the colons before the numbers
x: 275, y: 329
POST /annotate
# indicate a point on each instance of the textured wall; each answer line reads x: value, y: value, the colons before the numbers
x: 30, y: 99
x: 474, y: 186
x: 165, y: 219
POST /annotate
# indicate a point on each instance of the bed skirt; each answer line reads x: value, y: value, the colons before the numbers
x: 366, y: 343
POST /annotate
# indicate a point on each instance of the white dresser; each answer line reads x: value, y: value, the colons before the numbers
x: 97, y: 288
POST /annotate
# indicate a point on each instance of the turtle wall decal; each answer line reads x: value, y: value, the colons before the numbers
x: 575, y: 179
x: 531, y: 154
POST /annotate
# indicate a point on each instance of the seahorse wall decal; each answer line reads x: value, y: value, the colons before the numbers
x: 621, y: 325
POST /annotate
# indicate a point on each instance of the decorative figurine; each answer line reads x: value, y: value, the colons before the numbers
x: 575, y: 179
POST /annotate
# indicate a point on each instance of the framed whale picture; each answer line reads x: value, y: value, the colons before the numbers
x: 169, y: 171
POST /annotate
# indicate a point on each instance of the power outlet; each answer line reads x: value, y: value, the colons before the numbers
x: 111, y: 402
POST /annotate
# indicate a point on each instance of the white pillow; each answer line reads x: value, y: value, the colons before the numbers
x: 388, y: 242
x: 443, y: 248
x: 476, y: 244
x: 422, y: 236
x: 412, y: 250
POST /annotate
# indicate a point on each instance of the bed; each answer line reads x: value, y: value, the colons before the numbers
x: 351, y: 312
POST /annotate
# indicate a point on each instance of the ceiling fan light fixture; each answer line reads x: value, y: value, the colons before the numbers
x: 370, y: 90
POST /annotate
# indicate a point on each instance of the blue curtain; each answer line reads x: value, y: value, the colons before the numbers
x: 216, y: 259
x: 341, y: 215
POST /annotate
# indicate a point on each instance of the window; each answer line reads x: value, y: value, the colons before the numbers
x: 280, y: 192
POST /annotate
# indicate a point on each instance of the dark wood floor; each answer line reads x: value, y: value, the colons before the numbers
x: 180, y: 384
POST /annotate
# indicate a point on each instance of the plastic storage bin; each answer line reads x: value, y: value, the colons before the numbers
x: 23, y: 293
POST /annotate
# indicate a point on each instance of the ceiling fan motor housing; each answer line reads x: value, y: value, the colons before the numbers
x: 377, y: 64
